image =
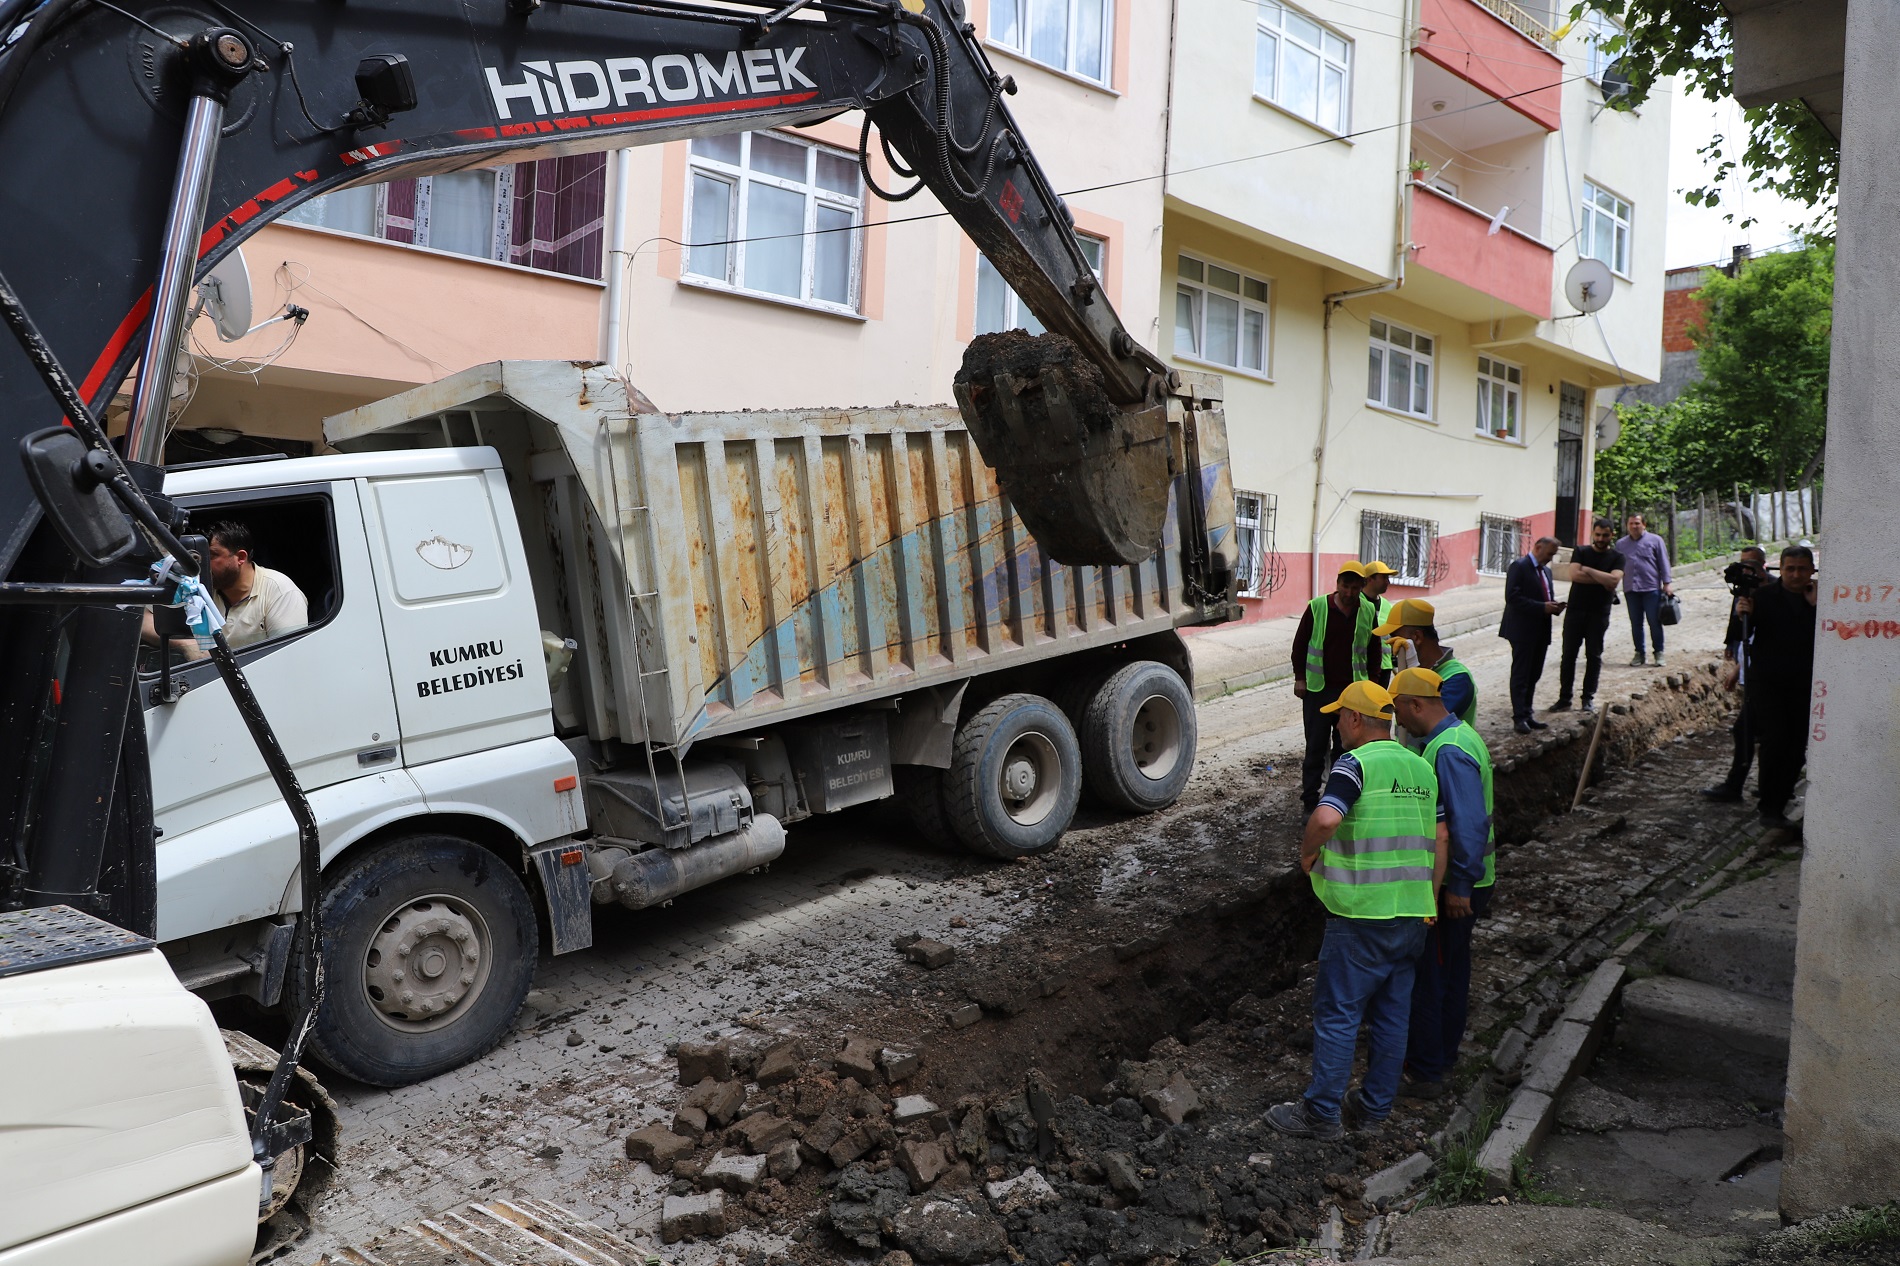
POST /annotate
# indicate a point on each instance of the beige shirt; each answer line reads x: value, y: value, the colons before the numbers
x: 274, y: 607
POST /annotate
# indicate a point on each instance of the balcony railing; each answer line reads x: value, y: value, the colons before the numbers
x: 1526, y: 25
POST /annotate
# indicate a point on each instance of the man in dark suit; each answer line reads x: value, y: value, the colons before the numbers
x: 1530, y: 600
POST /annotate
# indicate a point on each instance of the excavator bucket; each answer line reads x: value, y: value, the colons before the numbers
x: 1088, y: 476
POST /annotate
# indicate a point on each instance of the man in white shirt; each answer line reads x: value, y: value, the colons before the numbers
x: 256, y: 602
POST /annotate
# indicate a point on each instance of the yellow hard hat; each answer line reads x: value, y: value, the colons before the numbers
x: 1352, y: 567
x: 1416, y: 681
x: 1366, y: 697
x: 1409, y: 613
x: 1374, y: 567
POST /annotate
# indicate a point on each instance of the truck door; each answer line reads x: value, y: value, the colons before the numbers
x: 458, y: 609
x: 325, y: 687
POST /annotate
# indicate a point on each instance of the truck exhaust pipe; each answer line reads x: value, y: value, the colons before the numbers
x: 648, y: 878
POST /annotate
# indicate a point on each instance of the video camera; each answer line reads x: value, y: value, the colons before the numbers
x: 1744, y: 578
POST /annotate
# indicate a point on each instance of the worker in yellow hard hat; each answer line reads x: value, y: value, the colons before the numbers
x: 1378, y: 577
x: 1441, y: 991
x: 1374, y: 849
x: 1333, y: 647
x: 1415, y: 620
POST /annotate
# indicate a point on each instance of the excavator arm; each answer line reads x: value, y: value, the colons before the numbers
x: 104, y: 121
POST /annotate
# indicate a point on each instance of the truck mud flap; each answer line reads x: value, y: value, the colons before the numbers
x: 562, y: 869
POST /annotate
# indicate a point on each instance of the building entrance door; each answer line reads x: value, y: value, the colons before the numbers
x: 1570, y: 400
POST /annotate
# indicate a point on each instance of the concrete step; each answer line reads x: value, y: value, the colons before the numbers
x: 1741, y: 939
x: 498, y: 1233
x: 1708, y: 1031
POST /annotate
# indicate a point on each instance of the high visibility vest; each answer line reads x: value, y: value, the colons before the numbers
x: 1385, y: 644
x: 1378, y: 865
x: 1366, y: 621
x: 1466, y: 739
x: 1450, y: 667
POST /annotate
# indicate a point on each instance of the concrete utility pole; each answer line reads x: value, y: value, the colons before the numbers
x: 1843, y: 1105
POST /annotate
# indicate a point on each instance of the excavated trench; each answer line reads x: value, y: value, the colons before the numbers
x: 1125, y: 1040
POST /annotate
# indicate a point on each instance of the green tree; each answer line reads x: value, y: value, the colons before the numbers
x: 1759, y: 413
x: 1786, y: 149
x: 1638, y: 470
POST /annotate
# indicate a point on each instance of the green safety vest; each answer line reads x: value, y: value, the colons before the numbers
x: 1368, y: 619
x: 1450, y: 667
x: 1379, y: 863
x: 1385, y: 613
x: 1462, y: 736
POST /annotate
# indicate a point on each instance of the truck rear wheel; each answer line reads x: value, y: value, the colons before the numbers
x: 1138, y: 738
x: 1014, y: 779
x: 429, y: 948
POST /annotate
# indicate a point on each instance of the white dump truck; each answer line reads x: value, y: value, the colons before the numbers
x: 566, y: 650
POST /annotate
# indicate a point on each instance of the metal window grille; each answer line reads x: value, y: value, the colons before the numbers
x: 1408, y: 546
x: 1261, y: 570
x: 1501, y: 539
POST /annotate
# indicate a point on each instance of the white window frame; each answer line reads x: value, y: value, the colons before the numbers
x: 1250, y: 538
x: 740, y: 178
x: 1253, y: 294
x: 1500, y: 385
x: 1409, y: 529
x: 501, y: 235
x: 1015, y: 315
x: 1270, y: 24
x: 1598, y: 29
x: 1381, y: 346
x: 1003, y: 11
x: 1620, y: 215
x: 1492, y: 529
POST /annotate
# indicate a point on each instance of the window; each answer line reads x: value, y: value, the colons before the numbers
x: 1399, y: 369
x: 1501, y: 541
x: 1598, y: 30
x: 549, y: 214
x: 1500, y: 399
x: 999, y: 308
x: 1606, y: 229
x: 1258, y: 569
x: 769, y: 214
x: 1220, y: 315
x: 1302, y: 67
x: 1070, y: 35
x: 1404, y: 545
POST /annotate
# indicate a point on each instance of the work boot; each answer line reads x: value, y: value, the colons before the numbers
x: 1723, y: 792
x: 1297, y: 1120
x: 1562, y: 705
x: 1657, y: 661
x: 1357, y: 1118
x: 1639, y: 661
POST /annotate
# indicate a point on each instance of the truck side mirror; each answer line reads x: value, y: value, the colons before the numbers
x: 67, y: 478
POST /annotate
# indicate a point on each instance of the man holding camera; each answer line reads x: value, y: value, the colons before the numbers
x: 1743, y: 577
x: 1780, y: 672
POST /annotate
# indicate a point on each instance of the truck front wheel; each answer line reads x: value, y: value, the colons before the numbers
x: 429, y: 948
x: 1014, y: 779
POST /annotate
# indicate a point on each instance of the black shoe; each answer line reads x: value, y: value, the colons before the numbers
x: 1776, y: 818
x: 1722, y: 792
x: 1562, y: 705
x: 1355, y: 1115
x: 1295, y: 1120
x: 1522, y: 727
x: 1589, y: 705
x: 1535, y: 724
x: 1411, y: 1087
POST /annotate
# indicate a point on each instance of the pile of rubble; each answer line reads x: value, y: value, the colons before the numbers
x: 841, y: 1152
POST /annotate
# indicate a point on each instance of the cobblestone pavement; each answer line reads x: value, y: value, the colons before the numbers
x: 545, y: 1115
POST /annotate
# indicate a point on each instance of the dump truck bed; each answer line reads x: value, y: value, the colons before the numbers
x: 721, y: 571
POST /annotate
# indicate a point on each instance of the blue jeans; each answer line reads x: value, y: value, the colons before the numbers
x: 1365, y: 975
x: 1645, y: 608
x: 1441, y: 993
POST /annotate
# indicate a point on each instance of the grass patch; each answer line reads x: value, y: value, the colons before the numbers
x: 1457, y: 1179
x: 1867, y: 1228
x: 1527, y: 1186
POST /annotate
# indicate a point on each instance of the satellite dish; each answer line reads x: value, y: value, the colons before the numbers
x: 1609, y: 427
x: 226, y: 295
x: 1616, y: 84
x: 1588, y: 285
